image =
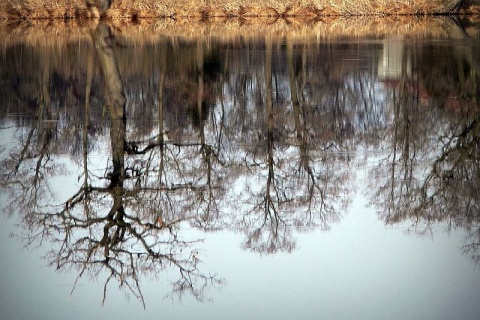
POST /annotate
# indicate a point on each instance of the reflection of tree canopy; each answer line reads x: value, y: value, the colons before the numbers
x: 114, y: 227
x: 432, y: 171
x: 192, y: 128
x: 264, y: 142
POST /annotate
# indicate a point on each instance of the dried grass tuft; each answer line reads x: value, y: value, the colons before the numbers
x: 301, y: 11
x: 258, y: 11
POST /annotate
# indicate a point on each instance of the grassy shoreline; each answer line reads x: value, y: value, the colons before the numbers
x: 47, y: 33
x: 211, y: 9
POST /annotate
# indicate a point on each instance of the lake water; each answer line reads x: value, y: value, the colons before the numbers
x: 247, y: 171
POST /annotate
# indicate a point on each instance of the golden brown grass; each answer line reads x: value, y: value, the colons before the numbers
x: 208, y: 9
x: 148, y: 31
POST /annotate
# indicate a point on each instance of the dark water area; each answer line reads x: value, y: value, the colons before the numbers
x: 267, y: 177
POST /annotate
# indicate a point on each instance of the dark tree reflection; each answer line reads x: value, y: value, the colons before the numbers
x: 264, y: 137
x: 432, y: 172
x: 288, y: 189
x: 118, y: 228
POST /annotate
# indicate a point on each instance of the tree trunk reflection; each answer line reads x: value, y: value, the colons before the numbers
x: 266, y: 136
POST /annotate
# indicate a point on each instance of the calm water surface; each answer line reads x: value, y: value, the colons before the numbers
x: 261, y: 177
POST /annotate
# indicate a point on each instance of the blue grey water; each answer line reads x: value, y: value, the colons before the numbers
x: 276, y: 177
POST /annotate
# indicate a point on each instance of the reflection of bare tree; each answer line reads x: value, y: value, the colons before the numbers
x: 26, y: 166
x: 445, y: 189
x: 269, y: 233
x: 110, y: 229
x: 292, y: 197
x: 431, y: 175
x: 258, y: 141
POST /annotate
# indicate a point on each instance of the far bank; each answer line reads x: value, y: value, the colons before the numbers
x: 211, y: 9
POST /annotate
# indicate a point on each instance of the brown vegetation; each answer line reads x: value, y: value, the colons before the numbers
x: 60, y: 33
x: 208, y: 9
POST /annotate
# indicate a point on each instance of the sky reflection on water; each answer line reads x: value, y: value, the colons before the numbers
x: 252, y: 178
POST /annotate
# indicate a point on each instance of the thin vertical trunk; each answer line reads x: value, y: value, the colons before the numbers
x: 269, y: 114
x: 114, y: 100
x: 161, y: 112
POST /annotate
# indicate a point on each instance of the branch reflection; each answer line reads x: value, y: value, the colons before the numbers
x: 264, y: 137
x: 431, y: 175
x: 125, y: 228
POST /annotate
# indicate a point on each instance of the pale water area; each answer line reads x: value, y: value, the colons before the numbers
x: 277, y: 174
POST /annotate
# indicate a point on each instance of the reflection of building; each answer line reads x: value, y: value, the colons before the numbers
x: 390, y: 66
x: 394, y: 65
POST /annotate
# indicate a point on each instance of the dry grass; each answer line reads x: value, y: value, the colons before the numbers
x: 148, y: 31
x: 208, y: 9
